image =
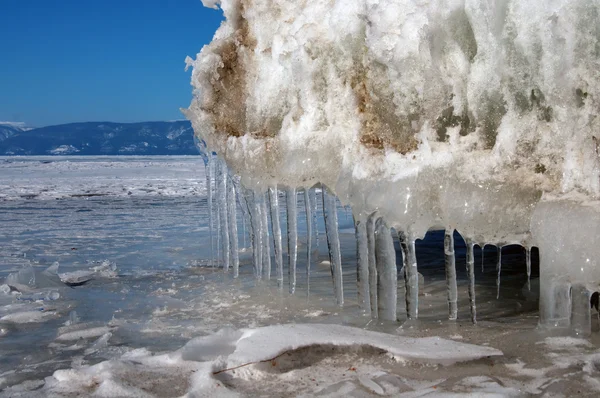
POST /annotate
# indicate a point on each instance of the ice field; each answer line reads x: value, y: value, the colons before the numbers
x: 136, y: 309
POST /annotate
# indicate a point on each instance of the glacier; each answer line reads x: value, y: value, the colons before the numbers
x: 466, y: 115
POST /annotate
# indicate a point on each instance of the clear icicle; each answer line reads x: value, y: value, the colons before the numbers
x: 362, y: 262
x: 411, y: 275
x: 255, y: 232
x: 276, y: 228
x: 309, y: 234
x: 258, y: 234
x: 528, y: 264
x: 333, y: 243
x: 499, y: 270
x: 241, y: 199
x: 387, y: 278
x: 471, y: 272
x: 224, y: 224
x: 218, y: 213
x: 292, y: 229
x: 208, y: 170
x: 266, y: 247
x: 313, y: 205
x: 450, y: 264
x: 233, y: 231
x: 244, y: 243
x: 372, y: 264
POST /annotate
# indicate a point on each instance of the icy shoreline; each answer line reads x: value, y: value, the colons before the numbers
x: 60, y: 177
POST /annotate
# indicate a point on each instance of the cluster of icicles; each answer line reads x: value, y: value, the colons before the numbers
x: 376, y: 256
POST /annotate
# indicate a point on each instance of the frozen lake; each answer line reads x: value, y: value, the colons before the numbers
x: 152, y: 319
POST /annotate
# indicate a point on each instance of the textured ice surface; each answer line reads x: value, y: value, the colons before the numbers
x: 126, y: 334
x: 444, y: 114
x: 55, y: 177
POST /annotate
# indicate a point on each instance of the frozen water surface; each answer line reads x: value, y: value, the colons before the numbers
x: 153, y: 317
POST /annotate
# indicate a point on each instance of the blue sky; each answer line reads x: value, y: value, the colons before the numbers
x: 66, y: 61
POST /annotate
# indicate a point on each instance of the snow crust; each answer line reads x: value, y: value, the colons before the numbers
x: 457, y: 114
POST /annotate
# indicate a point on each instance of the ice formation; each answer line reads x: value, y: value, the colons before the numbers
x: 467, y: 115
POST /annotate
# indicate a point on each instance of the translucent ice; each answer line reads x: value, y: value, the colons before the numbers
x: 476, y: 115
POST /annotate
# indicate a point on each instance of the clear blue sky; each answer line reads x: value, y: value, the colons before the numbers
x: 65, y: 61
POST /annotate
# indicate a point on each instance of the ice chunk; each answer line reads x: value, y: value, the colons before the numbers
x: 264, y: 343
x: 77, y: 278
x: 432, y: 114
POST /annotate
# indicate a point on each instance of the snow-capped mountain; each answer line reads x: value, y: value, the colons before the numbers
x: 99, y: 138
x: 8, y: 129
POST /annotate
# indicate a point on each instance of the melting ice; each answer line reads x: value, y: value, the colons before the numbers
x: 468, y: 116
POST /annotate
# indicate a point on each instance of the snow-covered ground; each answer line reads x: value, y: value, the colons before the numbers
x: 146, y: 317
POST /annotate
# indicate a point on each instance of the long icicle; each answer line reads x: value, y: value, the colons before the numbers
x: 333, y: 243
x: 387, y: 278
x: 208, y: 170
x: 223, y: 227
x: 255, y: 234
x: 276, y: 228
x: 292, y: 229
x: 471, y: 271
x: 372, y: 264
x: 266, y: 246
x: 362, y: 265
x: 528, y: 265
x: 411, y: 274
x: 313, y: 205
x: 243, y: 217
x: 258, y: 234
x: 499, y: 270
x: 309, y: 234
x: 243, y: 204
x: 233, y: 231
x: 218, y: 213
x: 450, y: 264
x: 482, y: 256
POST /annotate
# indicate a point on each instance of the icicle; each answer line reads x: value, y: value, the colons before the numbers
x: 308, y: 235
x: 471, y: 271
x: 224, y: 224
x: 333, y: 243
x: 218, y: 211
x: 266, y: 247
x: 372, y: 261
x: 276, y: 228
x: 362, y: 262
x: 451, y: 274
x: 208, y: 170
x: 499, y: 270
x: 482, y: 256
x: 292, y: 229
x: 255, y: 233
x: 581, y: 315
x: 233, y: 231
x: 411, y: 275
x: 241, y: 200
x: 528, y: 264
x: 244, y: 243
x: 387, y: 278
x: 313, y: 205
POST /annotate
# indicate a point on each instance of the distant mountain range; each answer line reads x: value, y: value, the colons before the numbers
x: 99, y: 138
